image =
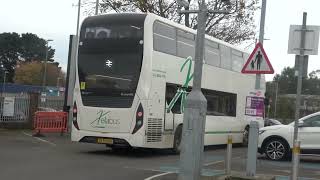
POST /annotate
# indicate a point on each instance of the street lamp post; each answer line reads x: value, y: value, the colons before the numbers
x: 4, y: 81
x: 276, y: 100
x: 45, y: 66
x: 4, y: 77
x: 97, y: 7
x: 191, y: 156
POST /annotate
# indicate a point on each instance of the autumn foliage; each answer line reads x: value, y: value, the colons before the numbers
x: 31, y: 73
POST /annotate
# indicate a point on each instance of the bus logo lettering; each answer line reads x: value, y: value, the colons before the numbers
x: 102, y: 120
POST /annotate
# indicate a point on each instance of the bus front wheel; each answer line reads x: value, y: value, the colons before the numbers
x: 177, y: 140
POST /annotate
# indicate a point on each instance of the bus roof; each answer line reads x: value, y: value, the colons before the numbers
x: 156, y: 17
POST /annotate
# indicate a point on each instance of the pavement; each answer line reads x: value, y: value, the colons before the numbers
x: 55, y: 157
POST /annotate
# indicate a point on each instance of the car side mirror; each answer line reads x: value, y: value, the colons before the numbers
x: 301, y: 124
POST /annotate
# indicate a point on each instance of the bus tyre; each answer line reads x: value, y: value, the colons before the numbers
x: 245, y: 141
x: 177, y: 140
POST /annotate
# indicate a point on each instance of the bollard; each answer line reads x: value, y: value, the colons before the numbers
x: 252, y: 149
x: 295, y: 160
x: 229, y: 155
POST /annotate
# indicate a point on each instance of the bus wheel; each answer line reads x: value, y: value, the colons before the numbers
x: 177, y: 140
x: 245, y: 136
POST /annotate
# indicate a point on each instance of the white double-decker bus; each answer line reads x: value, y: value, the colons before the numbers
x: 134, y: 72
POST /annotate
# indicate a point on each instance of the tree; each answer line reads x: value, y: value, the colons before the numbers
x: 287, y: 81
x: 10, y: 48
x: 31, y: 73
x: 35, y: 48
x: 235, y: 27
x: 27, y: 47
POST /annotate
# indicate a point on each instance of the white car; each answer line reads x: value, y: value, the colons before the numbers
x: 277, y: 141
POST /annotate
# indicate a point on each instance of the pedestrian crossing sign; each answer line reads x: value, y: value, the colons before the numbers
x: 258, y: 62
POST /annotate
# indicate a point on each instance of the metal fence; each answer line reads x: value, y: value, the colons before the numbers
x: 50, y: 103
x: 14, y: 107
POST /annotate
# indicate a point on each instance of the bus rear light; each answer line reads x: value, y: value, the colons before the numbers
x: 139, y: 114
x: 75, y: 116
x: 139, y: 119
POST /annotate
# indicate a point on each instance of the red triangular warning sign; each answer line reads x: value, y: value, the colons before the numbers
x: 258, y: 62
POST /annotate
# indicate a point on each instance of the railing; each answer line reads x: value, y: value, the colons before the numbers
x: 50, y: 122
x: 14, y: 108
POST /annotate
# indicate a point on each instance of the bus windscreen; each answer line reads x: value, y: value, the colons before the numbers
x: 109, y: 62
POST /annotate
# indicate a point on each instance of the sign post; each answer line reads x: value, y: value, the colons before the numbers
x: 303, y: 41
x: 258, y: 63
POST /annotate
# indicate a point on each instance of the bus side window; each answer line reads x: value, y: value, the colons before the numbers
x: 220, y: 103
x: 171, y: 90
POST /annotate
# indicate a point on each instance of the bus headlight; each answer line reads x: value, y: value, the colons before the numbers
x: 139, y: 119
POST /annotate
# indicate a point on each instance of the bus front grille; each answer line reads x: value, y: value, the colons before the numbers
x: 154, y: 130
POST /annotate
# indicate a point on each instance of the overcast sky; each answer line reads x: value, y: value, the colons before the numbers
x: 56, y: 19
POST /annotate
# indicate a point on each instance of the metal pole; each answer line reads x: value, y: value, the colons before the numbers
x: 261, y: 36
x: 45, y: 69
x: 229, y: 155
x: 4, y: 82
x: 78, y: 17
x: 295, y: 164
x: 276, y: 100
x: 45, y: 65
x: 296, y: 159
x: 191, y: 156
x: 97, y: 7
x: 252, y: 148
x: 302, y: 44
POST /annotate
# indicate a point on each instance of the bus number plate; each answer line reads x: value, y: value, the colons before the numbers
x: 105, y: 141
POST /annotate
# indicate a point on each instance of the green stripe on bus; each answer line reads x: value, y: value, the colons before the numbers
x: 223, y: 132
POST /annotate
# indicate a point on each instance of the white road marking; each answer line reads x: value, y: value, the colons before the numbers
x: 217, y: 162
x: 27, y: 134
x: 143, y: 169
x: 39, y: 139
x: 158, y: 175
x: 212, y: 163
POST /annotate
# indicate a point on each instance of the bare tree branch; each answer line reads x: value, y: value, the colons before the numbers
x: 235, y: 27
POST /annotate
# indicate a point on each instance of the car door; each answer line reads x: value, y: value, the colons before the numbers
x: 309, y: 133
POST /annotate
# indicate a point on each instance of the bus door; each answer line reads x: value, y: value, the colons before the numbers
x: 156, y: 100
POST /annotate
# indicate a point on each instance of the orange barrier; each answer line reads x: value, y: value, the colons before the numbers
x: 50, y: 122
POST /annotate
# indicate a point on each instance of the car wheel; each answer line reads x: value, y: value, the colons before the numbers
x: 276, y: 149
x: 177, y: 140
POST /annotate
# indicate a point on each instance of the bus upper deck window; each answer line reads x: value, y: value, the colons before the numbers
x: 90, y: 35
x: 102, y: 35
